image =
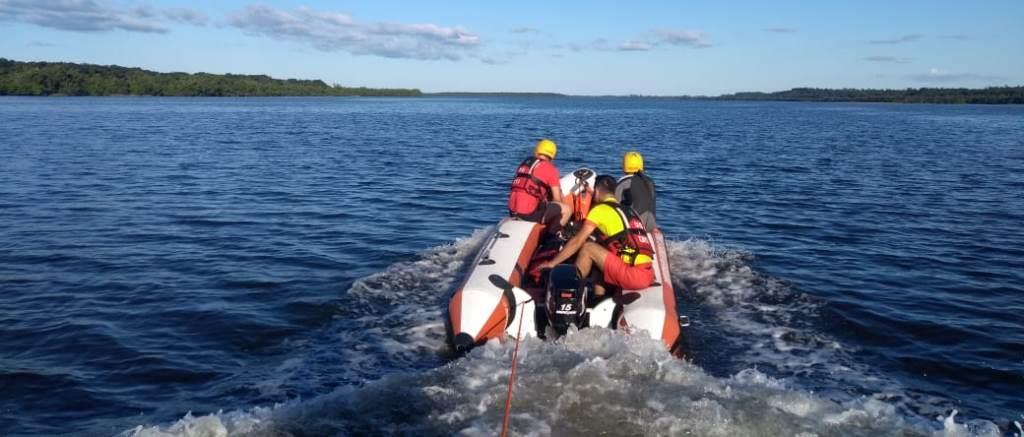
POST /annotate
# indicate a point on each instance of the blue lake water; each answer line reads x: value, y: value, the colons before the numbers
x: 280, y: 266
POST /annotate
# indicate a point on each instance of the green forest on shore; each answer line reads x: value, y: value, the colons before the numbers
x: 990, y: 95
x: 69, y: 79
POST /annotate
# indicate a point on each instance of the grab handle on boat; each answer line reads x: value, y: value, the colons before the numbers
x: 625, y: 298
x: 684, y: 321
x: 510, y: 295
x: 583, y: 173
x: 500, y: 282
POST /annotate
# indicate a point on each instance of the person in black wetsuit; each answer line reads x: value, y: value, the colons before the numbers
x: 636, y: 189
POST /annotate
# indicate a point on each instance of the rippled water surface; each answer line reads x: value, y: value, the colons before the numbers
x: 279, y: 266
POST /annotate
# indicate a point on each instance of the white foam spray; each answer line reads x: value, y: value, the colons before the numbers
x: 593, y: 381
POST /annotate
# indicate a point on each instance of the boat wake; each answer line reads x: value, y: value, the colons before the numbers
x: 760, y: 366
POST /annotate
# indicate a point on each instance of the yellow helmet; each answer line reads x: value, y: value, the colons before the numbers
x: 545, y: 147
x: 632, y: 162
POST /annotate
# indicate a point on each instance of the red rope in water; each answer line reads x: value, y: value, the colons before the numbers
x: 512, y: 378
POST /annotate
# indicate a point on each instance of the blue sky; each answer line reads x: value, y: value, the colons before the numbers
x: 577, y: 47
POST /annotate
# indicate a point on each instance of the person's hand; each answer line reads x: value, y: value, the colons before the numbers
x: 547, y: 265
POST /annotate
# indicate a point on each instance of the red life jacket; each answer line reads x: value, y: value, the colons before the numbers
x: 633, y: 240
x: 526, y: 184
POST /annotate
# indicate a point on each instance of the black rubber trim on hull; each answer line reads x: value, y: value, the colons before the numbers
x: 506, y: 289
x: 462, y: 342
x: 679, y: 346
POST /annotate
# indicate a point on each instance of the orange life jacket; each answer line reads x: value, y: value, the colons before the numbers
x: 526, y: 184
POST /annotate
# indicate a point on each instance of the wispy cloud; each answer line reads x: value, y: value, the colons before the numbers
x: 332, y: 31
x: 81, y: 15
x: 41, y: 44
x: 634, y: 46
x: 887, y: 59
x: 898, y: 40
x: 936, y: 75
x: 691, y: 38
x: 524, y: 29
x: 186, y: 15
x: 499, y: 57
x: 654, y: 39
x: 958, y: 37
x: 781, y: 29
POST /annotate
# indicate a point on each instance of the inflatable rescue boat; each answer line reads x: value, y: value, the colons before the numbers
x: 503, y: 295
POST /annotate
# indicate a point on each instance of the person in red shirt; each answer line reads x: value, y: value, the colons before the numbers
x: 536, y: 193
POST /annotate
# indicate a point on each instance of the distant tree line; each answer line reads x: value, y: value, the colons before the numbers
x: 62, y: 78
x: 68, y: 79
x: 493, y: 94
x: 991, y: 95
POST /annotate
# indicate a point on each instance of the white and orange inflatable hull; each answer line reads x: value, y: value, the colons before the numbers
x: 480, y: 310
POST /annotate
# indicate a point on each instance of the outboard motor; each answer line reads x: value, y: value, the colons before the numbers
x: 567, y: 298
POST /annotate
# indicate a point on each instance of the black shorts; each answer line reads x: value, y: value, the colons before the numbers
x: 547, y: 212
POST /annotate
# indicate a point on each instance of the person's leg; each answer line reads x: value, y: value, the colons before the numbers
x: 597, y: 278
x: 552, y: 213
x: 625, y: 276
x: 539, y: 214
x: 637, y: 277
x: 589, y: 254
x: 556, y: 216
x: 566, y: 211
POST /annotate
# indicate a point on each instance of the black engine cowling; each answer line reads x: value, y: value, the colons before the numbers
x: 566, y: 298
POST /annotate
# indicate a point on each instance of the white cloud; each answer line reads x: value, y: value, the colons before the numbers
x: 81, y: 15
x: 691, y: 38
x: 332, y: 31
x: 936, y: 75
x: 498, y: 58
x: 898, y: 40
x: 653, y: 40
x: 186, y: 15
x: 96, y: 15
x: 634, y: 46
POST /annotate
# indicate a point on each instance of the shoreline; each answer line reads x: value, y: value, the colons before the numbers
x: 508, y: 95
x: 64, y: 79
